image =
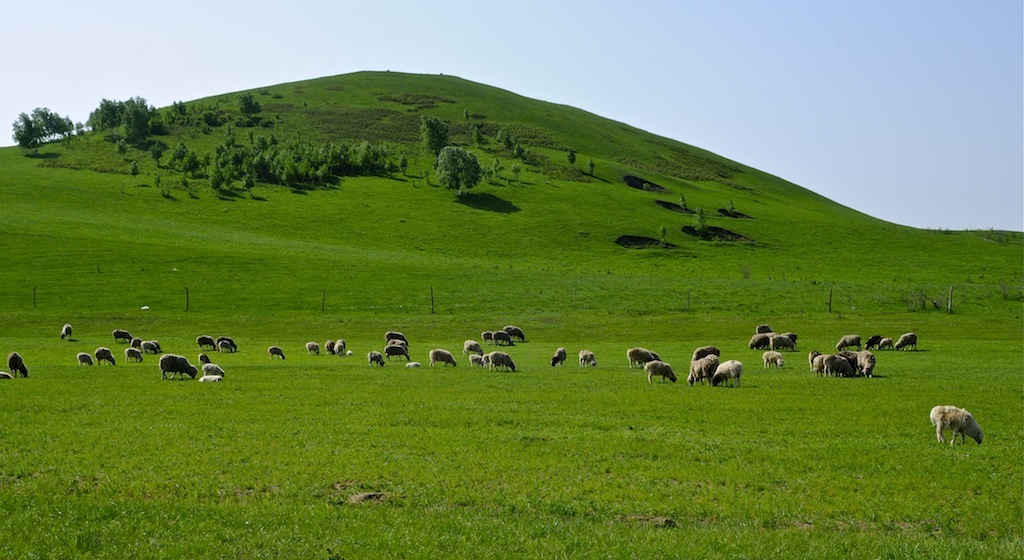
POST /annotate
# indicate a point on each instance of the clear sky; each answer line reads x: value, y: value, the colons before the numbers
x: 908, y: 110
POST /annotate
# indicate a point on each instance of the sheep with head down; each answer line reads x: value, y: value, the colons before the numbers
x: 206, y: 342
x: 103, y: 354
x: 500, y: 361
x: 810, y: 358
x: 885, y: 344
x: 731, y: 369
x: 275, y: 351
x: 375, y: 357
x: 773, y: 358
x: 957, y: 420
x: 502, y: 338
x: 587, y: 359
x: 659, y: 368
x: 65, y: 332
x: 705, y: 351
x: 211, y: 373
x: 780, y: 341
x: 472, y: 346
x: 866, y: 363
x: 312, y: 348
x: 172, y: 365
x: 872, y: 342
x: 397, y: 350
x: 476, y: 360
x: 906, y: 342
x: 150, y: 347
x: 559, y: 358
x: 848, y: 341
x: 121, y: 335
x: 443, y: 356
x: 84, y: 359
x: 515, y: 332
x: 837, y: 365
x: 760, y: 341
x: 132, y: 354
x: 703, y: 369
x: 639, y: 356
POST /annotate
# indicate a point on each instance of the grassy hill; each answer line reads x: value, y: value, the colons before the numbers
x: 108, y: 462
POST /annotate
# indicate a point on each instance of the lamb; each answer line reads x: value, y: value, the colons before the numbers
x: 658, y: 367
x: 132, y: 354
x: 702, y: 369
x: 837, y: 365
x: 885, y: 343
x: 760, y: 341
x: 866, y: 363
x: 212, y: 369
x: 587, y: 359
x: 848, y: 341
x: 640, y: 356
x: 499, y: 360
x: 211, y: 379
x: 515, y: 332
x: 312, y: 348
x: 206, y: 342
x: 502, y: 338
x: 906, y: 341
x: 761, y: 329
x: 65, y: 332
x: 396, y: 342
x: 810, y: 358
x: 487, y: 336
x: 443, y: 356
x: 375, y: 357
x: 84, y: 359
x: 396, y: 350
x: 872, y: 342
x: 559, y: 358
x: 121, y: 335
x: 731, y: 369
x: 476, y: 360
x: 472, y: 346
x: 275, y: 351
x: 958, y: 420
x: 395, y: 335
x: 773, y: 358
x: 203, y: 358
x: 150, y: 347
x: 705, y: 351
x: 226, y: 344
x: 412, y: 364
x: 103, y: 354
x: 780, y: 341
x: 174, y: 364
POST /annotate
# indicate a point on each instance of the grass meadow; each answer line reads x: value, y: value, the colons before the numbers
x: 326, y: 457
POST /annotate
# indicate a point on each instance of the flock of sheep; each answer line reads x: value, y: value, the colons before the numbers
x: 705, y: 363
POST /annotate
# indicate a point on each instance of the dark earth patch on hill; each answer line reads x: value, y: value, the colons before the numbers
x: 643, y: 184
x: 487, y: 201
x: 673, y: 207
x: 717, y: 234
x: 725, y: 212
x: 640, y: 242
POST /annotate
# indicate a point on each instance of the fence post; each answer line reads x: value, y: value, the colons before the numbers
x: 323, y: 300
x: 574, y: 300
x: 830, y: 299
x: 431, y: 300
x: 949, y: 301
x: 33, y: 298
x: 186, y: 298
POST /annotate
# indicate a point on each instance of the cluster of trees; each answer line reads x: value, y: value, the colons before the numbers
x: 134, y: 119
x: 42, y: 126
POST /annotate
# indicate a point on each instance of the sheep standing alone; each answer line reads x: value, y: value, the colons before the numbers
x: 176, y: 365
x: 559, y: 358
x: 958, y: 420
x: 103, y: 354
x: 658, y: 367
x: 132, y: 354
x: 206, y: 342
x: 499, y: 361
x: 472, y: 346
x: 84, y: 359
x: 703, y: 369
x: 848, y: 341
x: 908, y: 341
x: 773, y: 358
x: 639, y: 356
x: 312, y: 348
x: 375, y: 357
x: 443, y: 356
x: 705, y: 351
x: 65, y: 332
x: 731, y: 369
x: 587, y: 359
x: 121, y: 335
x: 760, y: 341
x: 275, y: 351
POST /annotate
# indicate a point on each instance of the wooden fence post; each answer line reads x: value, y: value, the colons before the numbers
x: 186, y: 298
x: 830, y: 299
x: 431, y: 300
x: 949, y: 301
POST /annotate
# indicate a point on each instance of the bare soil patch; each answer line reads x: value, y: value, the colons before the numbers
x: 725, y: 212
x: 640, y: 242
x: 674, y: 207
x: 717, y: 234
x: 643, y: 184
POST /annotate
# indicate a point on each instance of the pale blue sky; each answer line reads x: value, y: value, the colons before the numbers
x: 911, y: 111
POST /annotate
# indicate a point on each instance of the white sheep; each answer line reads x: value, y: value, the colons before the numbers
x: 885, y: 343
x: 312, y: 348
x: 958, y: 420
x: 587, y: 359
x: 211, y: 379
x: 908, y: 341
x: 848, y: 341
x: 772, y: 357
x: 472, y: 346
x: 810, y: 358
x: 150, y: 347
x: 341, y: 348
x: 559, y: 358
x: 329, y: 346
x: 132, y: 354
x: 375, y: 357
x: 476, y: 360
x: 276, y: 351
x: 818, y: 364
x: 760, y: 341
x: 443, y: 356
x: 103, y: 354
x: 866, y: 363
x: 837, y: 365
x: 639, y: 356
x: 705, y: 351
x: 84, y: 359
x: 703, y: 369
x: 658, y: 367
x: 780, y: 341
x: 174, y: 364
x: 412, y: 364
x: 499, y: 360
x: 731, y: 369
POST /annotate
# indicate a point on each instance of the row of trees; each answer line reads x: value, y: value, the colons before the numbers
x: 134, y: 119
x: 42, y: 126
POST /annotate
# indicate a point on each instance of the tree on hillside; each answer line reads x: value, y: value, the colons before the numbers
x: 571, y: 156
x: 701, y: 224
x: 42, y: 126
x: 434, y: 134
x: 25, y: 133
x: 248, y: 105
x: 590, y: 165
x: 458, y: 169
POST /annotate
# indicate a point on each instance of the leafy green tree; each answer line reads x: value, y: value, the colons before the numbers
x: 30, y: 131
x: 105, y: 117
x: 135, y: 115
x: 516, y: 170
x: 701, y: 224
x: 732, y: 207
x: 157, y: 152
x: 590, y: 165
x: 682, y: 201
x: 248, y: 105
x: 571, y: 156
x: 434, y: 134
x: 133, y: 169
x: 458, y: 169
x: 497, y: 168
x: 26, y: 133
x: 663, y: 233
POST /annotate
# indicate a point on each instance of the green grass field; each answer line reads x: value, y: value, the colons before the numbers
x: 112, y: 462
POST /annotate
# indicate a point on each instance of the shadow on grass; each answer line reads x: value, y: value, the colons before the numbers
x: 488, y: 202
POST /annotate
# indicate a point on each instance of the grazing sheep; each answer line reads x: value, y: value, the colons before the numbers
x: 136, y: 342
x: 5, y: 375
x: 150, y: 347
x: 907, y: 341
x: 502, y: 338
x: 132, y: 354
x: 818, y: 364
x: 212, y: 369
x: 211, y: 379
x: 203, y: 358
x: 176, y: 365
x: 780, y: 341
x: 515, y: 332
x: 375, y: 357
x: 499, y: 360
x: 837, y: 365
x: 206, y: 342
x: 703, y: 369
x: 705, y: 351
x: 84, y: 359
x: 226, y: 344
x: 340, y: 347
x: 559, y: 358
x: 848, y: 341
x: 103, y: 354
x: 395, y: 335
x: 412, y: 364
x: 639, y: 356
x: 476, y: 360
x: 397, y: 342
x: 760, y: 341
x: 65, y: 332
x: 121, y: 335
x: 958, y: 420
x: 810, y: 358
x: 885, y: 343
x: 396, y: 350
x: 866, y: 363
x: 773, y: 358
x: 873, y: 341
x: 658, y: 367
x: 762, y: 329
x: 312, y: 348
x: 275, y: 351
x: 731, y: 369
x: 329, y: 346
x: 443, y: 356
x: 472, y: 346
x: 851, y: 357
x: 587, y: 359
x: 487, y: 336
x: 791, y: 336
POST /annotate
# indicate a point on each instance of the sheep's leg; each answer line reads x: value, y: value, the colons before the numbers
x: 938, y: 433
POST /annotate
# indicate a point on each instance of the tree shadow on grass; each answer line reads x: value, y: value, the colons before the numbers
x: 488, y: 202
